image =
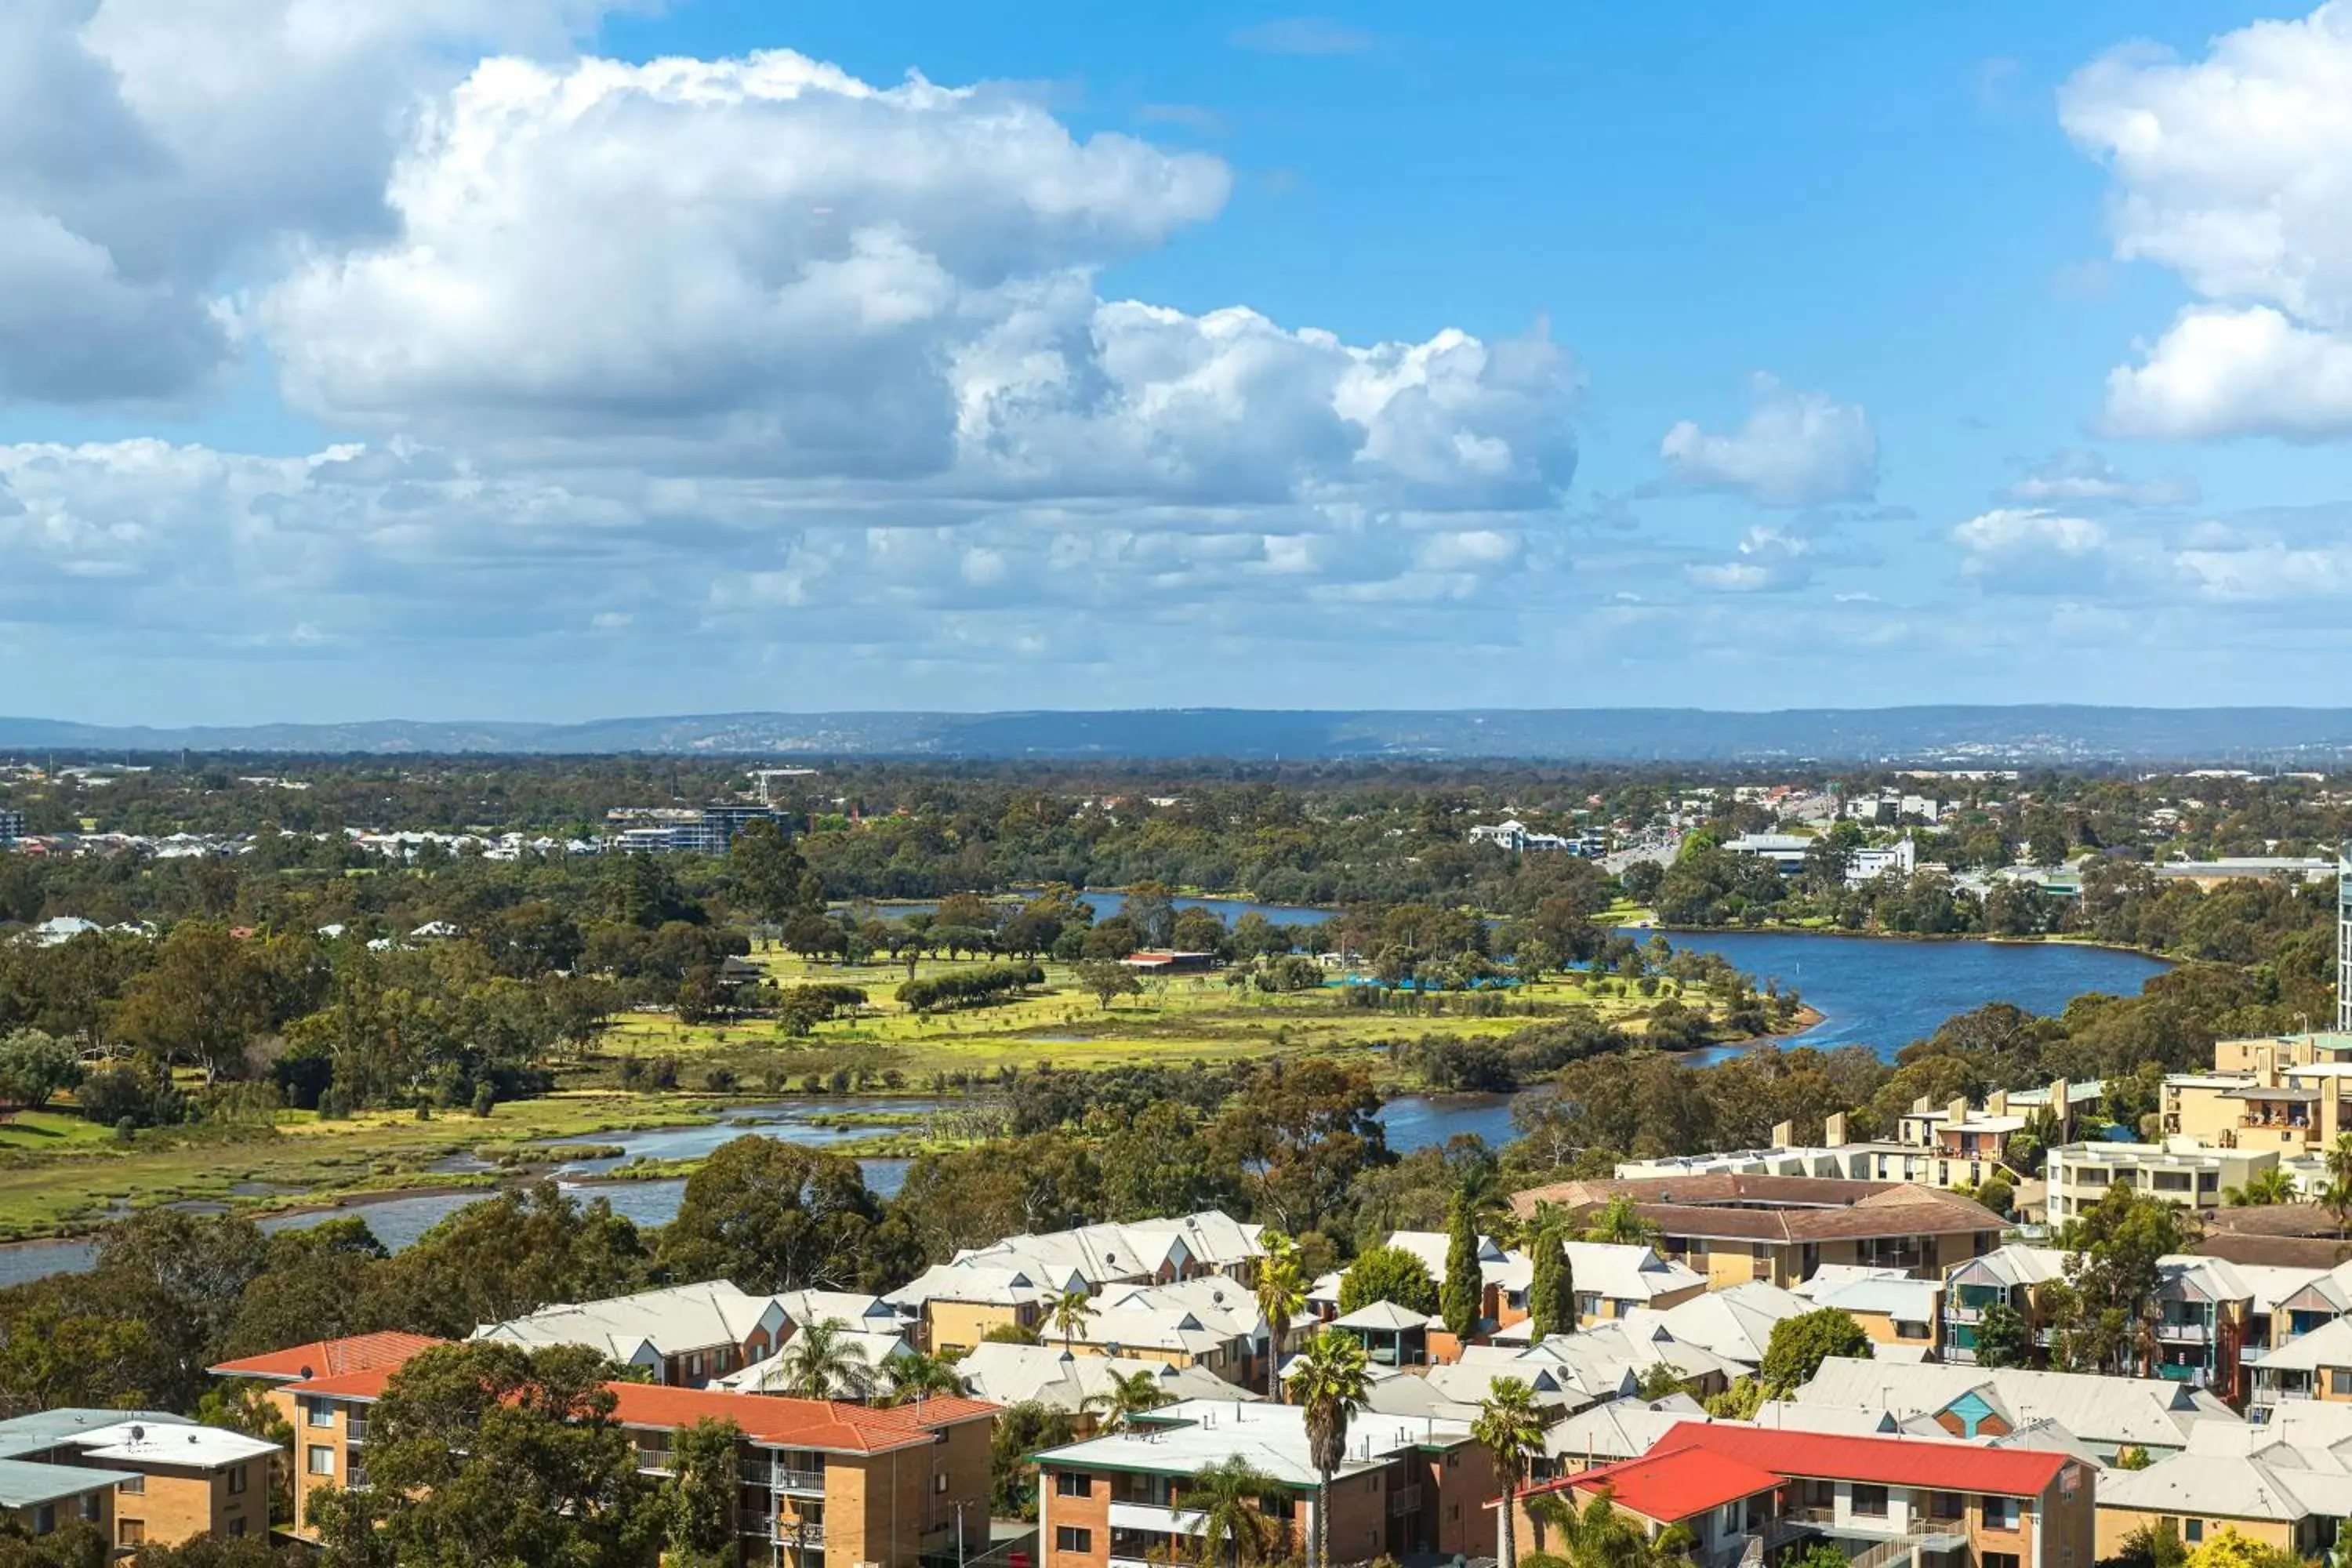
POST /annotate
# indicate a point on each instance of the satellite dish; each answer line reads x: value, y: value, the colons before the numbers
x: 306, y: 1373
x: 139, y: 1434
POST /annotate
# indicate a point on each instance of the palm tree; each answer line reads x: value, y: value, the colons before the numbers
x: 2271, y: 1186
x: 2339, y: 1196
x: 1510, y: 1428
x: 1598, y: 1536
x: 1333, y: 1380
x: 1127, y: 1397
x: 1069, y: 1313
x: 1620, y: 1221
x: 821, y: 1361
x: 1281, y: 1296
x: 915, y: 1375
x: 1231, y: 1498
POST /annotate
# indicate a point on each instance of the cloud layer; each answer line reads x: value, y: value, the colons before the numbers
x: 1795, y: 449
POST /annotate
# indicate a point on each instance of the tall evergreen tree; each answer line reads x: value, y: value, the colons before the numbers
x: 1552, y: 1294
x: 1465, y: 1283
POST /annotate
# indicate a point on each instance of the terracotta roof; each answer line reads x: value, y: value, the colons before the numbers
x: 365, y: 1383
x: 328, y: 1358
x: 2278, y: 1251
x: 1784, y: 1208
x: 1669, y: 1486
x: 794, y: 1423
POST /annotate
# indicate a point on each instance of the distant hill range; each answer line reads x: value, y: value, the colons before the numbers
x: 1955, y: 737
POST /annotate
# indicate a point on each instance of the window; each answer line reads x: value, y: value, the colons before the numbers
x: 44, y: 1519
x: 1904, y: 1331
x: 320, y: 1413
x: 1870, y: 1502
x: 90, y: 1507
x: 2192, y: 1531
x: 1070, y: 1483
x: 130, y: 1532
x: 236, y: 1481
x: 236, y: 1526
x: 1997, y: 1559
x: 320, y: 1460
x: 131, y: 1486
x: 1945, y: 1505
x: 1070, y: 1538
x: 2000, y: 1513
x: 2339, y: 1380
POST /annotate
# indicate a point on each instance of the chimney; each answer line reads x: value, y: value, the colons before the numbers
x: 1784, y: 1134
x: 1834, y: 1131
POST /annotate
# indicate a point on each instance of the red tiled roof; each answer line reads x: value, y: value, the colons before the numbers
x: 328, y: 1358
x: 365, y: 1383
x: 1883, y: 1461
x: 1669, y: 1486
x: 794, y: 1423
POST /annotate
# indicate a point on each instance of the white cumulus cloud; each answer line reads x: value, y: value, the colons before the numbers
x: 1795, y: 449
x: 2235, y: 171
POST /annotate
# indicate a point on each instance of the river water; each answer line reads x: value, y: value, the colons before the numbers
x: 1878, y: 993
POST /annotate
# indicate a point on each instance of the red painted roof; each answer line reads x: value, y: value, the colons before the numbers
x: 1681, y: 1485
x: 1670, y: 1475
x: 328, y: 1358
x: 794, y: 1423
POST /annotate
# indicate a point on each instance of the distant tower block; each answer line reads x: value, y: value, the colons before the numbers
x: 2344, y: 937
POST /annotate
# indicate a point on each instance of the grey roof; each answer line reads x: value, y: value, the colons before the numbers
x: 46, y: 1429
x: 2143, y: 1412
x: 24, y: 1484
x: 1383, y: 1316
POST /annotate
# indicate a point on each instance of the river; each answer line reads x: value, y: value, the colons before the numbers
x: 1874, y: 991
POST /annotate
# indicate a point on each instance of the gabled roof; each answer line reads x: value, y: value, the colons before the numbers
x: 1621, y: 1429
x: 2143, y: 1412
x: 1384, y: 1317
x: 984, y: 1284
x: 669, y: 1321
x: 2330, y: 1345
x: 1620, y: 1271
x: 327, y: 1358
x: 1015, y: 1374
x: 1182, y: 1438
x: 1735, y: 1323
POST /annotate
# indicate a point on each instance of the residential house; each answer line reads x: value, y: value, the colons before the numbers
x: 1896, y: 1312
x: 1079, y: 1385
x: 1735, y: 1323
x: 2016, y: 1276
x: 1145, y: 1252
x: 955, y: 1305
x: 772, y: 1374
x: 165, y: 1480
x: 1605, y: 1434
x: 2316, y: 1365
x: 1409, y: 1486
x: 2108, y: 1414
x: 2205, y: 1310
x: 1782, y: 1229
x: 684, y: 1335
x: 2252, y: 1479
x: 1211, y: 1320
x: 1745, y: 1492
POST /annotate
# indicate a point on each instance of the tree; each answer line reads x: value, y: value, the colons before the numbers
x: 1464, y: 1295
x: 1231, y: 1498
x: 1739, y: 1401
x: 2002, y: 1337
x: 2264, y: 1188
x: 1800, y: 1344
x: 1281, y: 1293
x: 1069, y: 1312
x: 207, y: 995
x: 488, y: 1453
x: 2155, y: 1545
x: 1511, y: 1429
x: 1389, y: 1274
x: 1598, y: 1536
x: 2105, y: 1310
x: 2231, y: 1550
x: 1551, y: 1293
x: 770, y: 876
x: 1127, y: 1396
x: 916, y: 1375
x: 2339, y: 1179
x: 1620, y: 1221
x: 1022, y: 1429
x: 697, y: 1501
x: 821, y: 1361
x: 1107, y: 979
x: 34, y: 1065
x: 1332, y: 1381
x: 770, y: 1216
x: 2129, y: 1458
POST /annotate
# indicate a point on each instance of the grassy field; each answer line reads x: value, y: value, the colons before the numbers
x: 59, y: 1172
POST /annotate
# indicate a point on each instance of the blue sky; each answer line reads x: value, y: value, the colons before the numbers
x: 543, y: 358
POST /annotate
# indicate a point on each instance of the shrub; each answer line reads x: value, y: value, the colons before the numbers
x: 484, y: 1097
x: 969, y: 987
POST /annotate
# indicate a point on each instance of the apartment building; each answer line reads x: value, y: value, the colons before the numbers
x: 1783, y: 1230
x: 954, y: 1305
x: 1409, y: 1486
x: 140, y: 1476
x: 1744, y: 1491
x: 2253, y: 1053
x: 327, y: 1358
x: 873, y: 1486
x: 2285, y: 1106
x: 686, y: 1335
x: 2180, y: 1170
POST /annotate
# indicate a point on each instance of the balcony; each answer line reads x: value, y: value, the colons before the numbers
x: 783, y: 1478
x: 793, y: 1531
x: 355, y: 1428
x: 2185, y: 1333
x: 1404, y: 1501
x: 1157, y: 1520
x: 1955, y: 1312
